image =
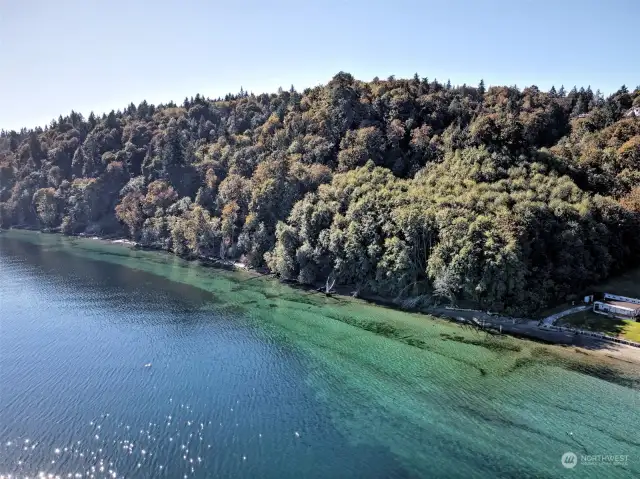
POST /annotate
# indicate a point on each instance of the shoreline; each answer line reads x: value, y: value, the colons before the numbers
x: 526, y: 329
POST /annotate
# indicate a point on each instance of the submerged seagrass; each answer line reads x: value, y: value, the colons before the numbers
x: 250, y: 378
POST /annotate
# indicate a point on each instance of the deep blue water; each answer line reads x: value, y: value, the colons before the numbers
x: 251, y: 379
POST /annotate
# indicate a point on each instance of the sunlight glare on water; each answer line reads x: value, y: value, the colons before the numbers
x: 124, y: 363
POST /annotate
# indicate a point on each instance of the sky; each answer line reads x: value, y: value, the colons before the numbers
x: 99, y: 55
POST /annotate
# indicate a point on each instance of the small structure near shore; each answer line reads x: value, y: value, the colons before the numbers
x: 618, y: 306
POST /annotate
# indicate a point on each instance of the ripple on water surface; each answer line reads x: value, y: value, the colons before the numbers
x: 110, y: 369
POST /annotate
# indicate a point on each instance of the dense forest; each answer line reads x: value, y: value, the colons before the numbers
x: 401, y: 188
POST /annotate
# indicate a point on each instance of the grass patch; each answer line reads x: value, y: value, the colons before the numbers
x: 626, y: 284
x: 623, y: 328
x: 632, y: 331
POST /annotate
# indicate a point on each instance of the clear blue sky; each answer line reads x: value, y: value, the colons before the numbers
x: 102, y: 54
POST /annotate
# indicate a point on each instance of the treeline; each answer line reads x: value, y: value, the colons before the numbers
x: 411, y: 188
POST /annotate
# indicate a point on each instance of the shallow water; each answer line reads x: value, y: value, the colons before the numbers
x: 251, y: 378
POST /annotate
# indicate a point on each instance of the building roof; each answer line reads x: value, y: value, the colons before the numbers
x: 623, y: 305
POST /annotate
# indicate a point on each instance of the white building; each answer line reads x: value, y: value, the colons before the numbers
x: 618, y: 306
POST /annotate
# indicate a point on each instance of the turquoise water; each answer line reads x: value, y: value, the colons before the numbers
x: 251, y: 378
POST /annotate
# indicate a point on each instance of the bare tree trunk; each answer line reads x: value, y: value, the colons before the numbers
x: 329, y: 286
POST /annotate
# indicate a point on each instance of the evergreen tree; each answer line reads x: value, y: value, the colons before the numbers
x: 396, y: 188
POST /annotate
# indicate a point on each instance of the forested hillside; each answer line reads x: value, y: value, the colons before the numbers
x: 510, y: 198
